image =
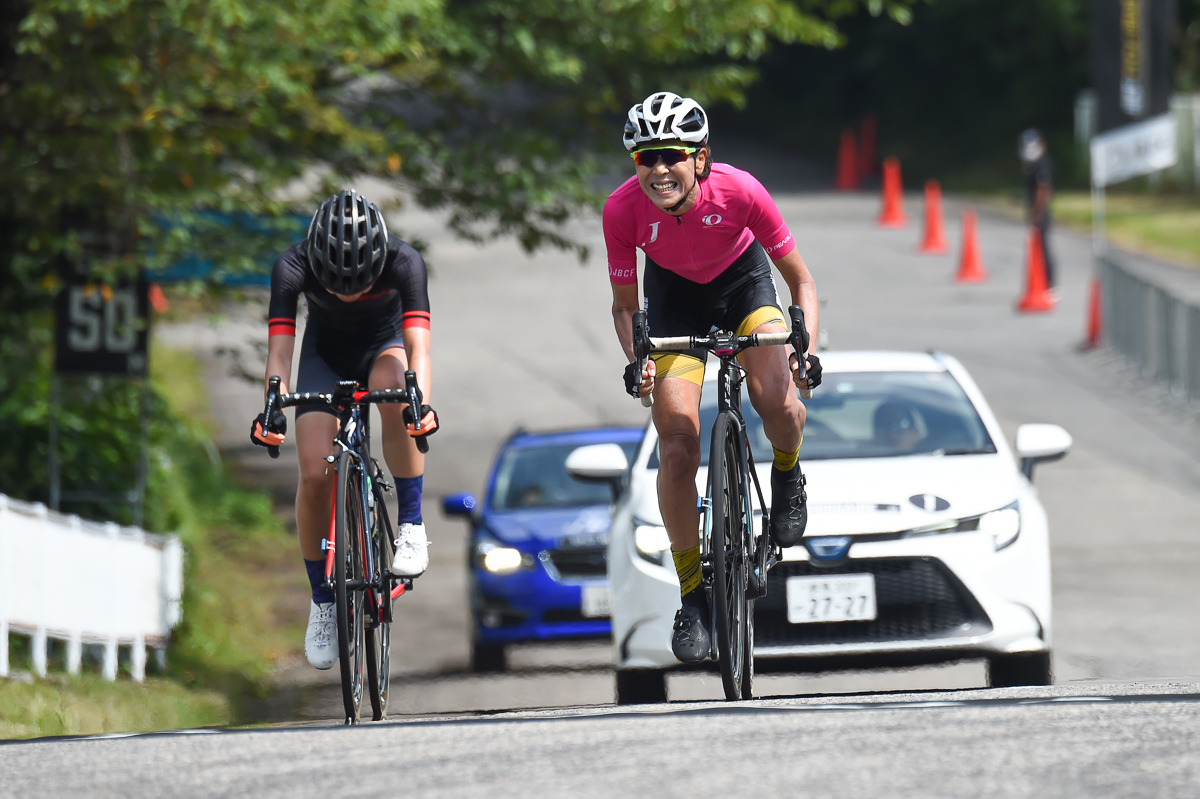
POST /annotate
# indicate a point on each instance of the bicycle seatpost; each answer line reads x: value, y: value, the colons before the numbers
x: 272, y: 405
x: 414, y: 405
x: 800, y: 344
x: 641, y: 350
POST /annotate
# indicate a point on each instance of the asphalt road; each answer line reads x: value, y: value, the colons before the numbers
x: 527, y: 341
x: 1005, y: 743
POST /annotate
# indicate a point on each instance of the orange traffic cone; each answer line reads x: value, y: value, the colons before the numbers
x: 847, y: 173
x: 893, y: 212
x: 970, y: 266
x: 867, y: 165
x: 935, y: 237
x: 1037, y: 297
x: 1093, y: 327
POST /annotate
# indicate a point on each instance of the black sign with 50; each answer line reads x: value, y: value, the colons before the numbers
x: 101, y: 328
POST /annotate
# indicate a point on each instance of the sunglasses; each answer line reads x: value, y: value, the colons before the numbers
x: 669, y: 155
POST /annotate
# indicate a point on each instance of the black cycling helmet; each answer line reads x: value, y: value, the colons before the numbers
x: 347, y: 243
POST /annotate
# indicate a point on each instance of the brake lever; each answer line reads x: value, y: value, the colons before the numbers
x: 414, y: 404
x: 269, y: 412
x: 641, y: 350
x: 800, y: 343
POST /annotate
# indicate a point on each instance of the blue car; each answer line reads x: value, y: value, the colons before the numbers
x: 538, y: 552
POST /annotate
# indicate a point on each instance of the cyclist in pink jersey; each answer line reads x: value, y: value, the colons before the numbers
x: 709, y: 233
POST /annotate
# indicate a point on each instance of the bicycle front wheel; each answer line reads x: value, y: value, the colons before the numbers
x: 379, y: 636
x: 348, y: 573
x: 729, y: 553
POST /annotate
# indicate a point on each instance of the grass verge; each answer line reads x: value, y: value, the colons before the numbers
x: 87, y: 704
x: 1166, y: 226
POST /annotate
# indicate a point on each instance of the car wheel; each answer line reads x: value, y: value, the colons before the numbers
x: 1023, y: 668
x: 641, y: 686
x: 487, y: 657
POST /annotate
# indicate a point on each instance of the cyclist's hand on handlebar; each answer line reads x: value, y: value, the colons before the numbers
x: 814, y: 371
x: 429, y: 422
x: 632, y: 387
x: 268, y: 435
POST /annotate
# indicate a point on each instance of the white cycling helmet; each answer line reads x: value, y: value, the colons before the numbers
x: 665, y: 117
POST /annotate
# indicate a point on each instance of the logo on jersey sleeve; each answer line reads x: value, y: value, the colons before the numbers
x: 780, y: 244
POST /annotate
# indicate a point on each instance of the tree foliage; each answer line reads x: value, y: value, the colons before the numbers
x: 125, y: 124
x: 118, y: 114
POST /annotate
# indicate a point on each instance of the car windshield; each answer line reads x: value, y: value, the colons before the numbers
x: 536, y: 477
x: 871, y: 415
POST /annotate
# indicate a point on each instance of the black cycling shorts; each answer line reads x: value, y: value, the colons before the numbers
x: 740, y: 299
x: 328, y: 356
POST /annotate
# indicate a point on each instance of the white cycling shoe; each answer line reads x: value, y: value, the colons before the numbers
x: 320, y: 642
x: 412, y: 551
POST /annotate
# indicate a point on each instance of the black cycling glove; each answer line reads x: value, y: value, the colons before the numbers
x: 814, y: 371
x: 633, y: 379
x: 271, y: 435
x: 429, y: 421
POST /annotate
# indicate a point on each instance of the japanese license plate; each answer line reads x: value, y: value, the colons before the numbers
x: 837, y: 597
x: 594, y: 602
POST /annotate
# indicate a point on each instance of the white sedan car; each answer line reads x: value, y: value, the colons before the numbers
x: 926, y: 541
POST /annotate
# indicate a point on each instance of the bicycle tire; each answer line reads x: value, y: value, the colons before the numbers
x: 728, y: 552
x: 348, y: 568
x: 379, y: 637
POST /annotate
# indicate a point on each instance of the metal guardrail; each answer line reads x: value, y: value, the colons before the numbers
x: 85, y: 584
x: 1157, y: 330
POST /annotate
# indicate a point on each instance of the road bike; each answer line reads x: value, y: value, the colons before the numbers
x: 360, y: 545
x: 734, y: 560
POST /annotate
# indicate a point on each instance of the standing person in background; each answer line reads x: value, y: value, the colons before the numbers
x: 1039, y: 185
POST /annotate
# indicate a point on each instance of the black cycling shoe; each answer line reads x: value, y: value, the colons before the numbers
x: 692, y: 642
x: 789, y: 506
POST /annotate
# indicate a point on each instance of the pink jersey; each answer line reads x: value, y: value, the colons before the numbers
x: 732, y: 210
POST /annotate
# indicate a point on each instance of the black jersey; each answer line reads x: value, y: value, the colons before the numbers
x: 398, y: 299
x: 1039, y: 173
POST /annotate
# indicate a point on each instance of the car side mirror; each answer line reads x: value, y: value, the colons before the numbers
x: 1041, y: 443
x: 599, y: 463
x: 462, y: 504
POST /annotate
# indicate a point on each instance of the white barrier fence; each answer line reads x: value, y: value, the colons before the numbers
x: 85, y: 583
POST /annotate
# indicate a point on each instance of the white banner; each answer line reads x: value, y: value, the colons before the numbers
x: 1132, y: 150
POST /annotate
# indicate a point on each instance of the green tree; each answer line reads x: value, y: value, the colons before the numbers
x: 124, y: 123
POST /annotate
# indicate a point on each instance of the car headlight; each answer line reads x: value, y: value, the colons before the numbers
x: 651, y: 541
x: 497, y: 558
x: 1003, y: 525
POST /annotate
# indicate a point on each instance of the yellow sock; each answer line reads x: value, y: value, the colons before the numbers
x: 786, y: 461
x: 687, y: 566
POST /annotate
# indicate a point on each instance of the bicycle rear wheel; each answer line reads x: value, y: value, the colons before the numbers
x: 348, y: 575
x: 728, y: 549
x: 379, y: 635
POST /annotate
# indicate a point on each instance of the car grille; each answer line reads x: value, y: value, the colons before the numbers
x: 574, y: 564
x: 563, y: 615
x: 915, y: 598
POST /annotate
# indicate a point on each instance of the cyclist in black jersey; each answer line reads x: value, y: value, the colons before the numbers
x: 368, y: 320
